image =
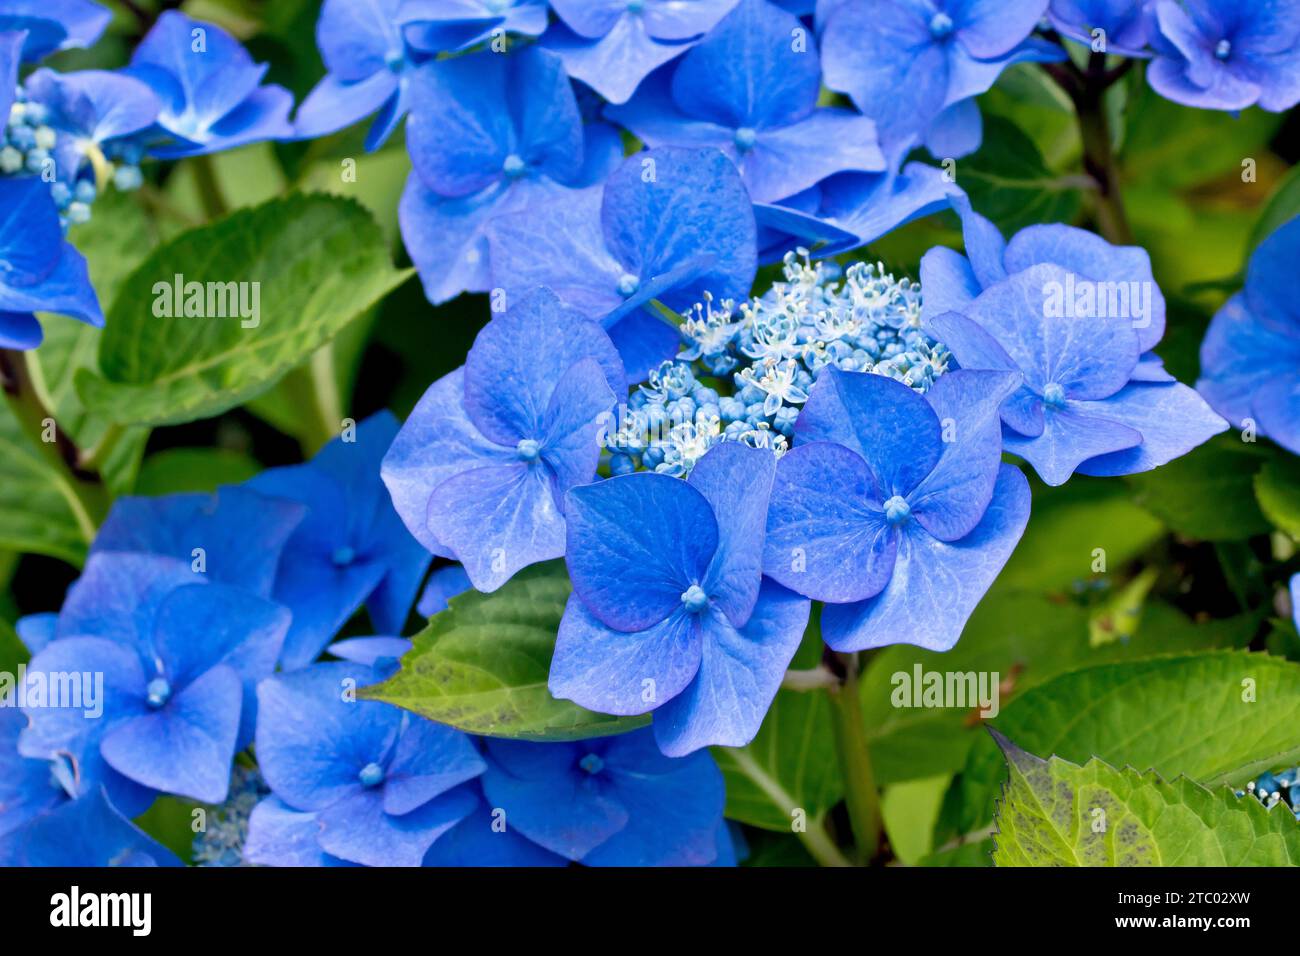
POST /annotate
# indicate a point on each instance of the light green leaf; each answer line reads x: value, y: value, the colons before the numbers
x: 317, y: 261
x: 1057, y: 813
x: 1277, y: 487
x: 1209, y: 493
x: 39, y: 511
x: 791, y: 764
x: 1026, y: 639
x: 1217, y: 717
x: 193, y: 469
x: 482, y: 665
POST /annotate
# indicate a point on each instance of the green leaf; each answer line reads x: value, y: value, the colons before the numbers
x: 39, y: 511
x: 1026, y: 639
x: 318, y: 262
x: 482, y: 665
x: 1277, y: 488
x: 1174, y: 715
x: 791, y: 764
x: 1069, y: 524
x: 193, y: 469
x: 1173, y: 147
x: 1208, y: 494
x: 1282, y: 207
x: 909, y: 811
x: 1057, y: 813
x: 1009, y: 183
x: 114, y: 244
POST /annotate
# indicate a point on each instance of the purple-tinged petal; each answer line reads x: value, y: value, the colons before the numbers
x: 884, y: 421
x: 956, y: 132
x: 478, y: 841
x: 117, y: 596
x: 635, y: 544
x: 497, y: 519
x: 279, y: 835
x: 358, y: 37
x: 991, y: 28
x: 548, y: 798
x: 827, y: 537
x: 358, y: 829
x: 977, y: 349
x: 429, y: 760
x: 186, y: 747
x: 1277, y: 407
x: 1071, y: 435
x: 736, y: 480
x: 790, y: 159
x: 615, y: 64
x: 985, y: 245
x: 740, y: 672
x: 1089, y: 356
x: 83, y: 833
x: 1239, y: 351
x: 936, y: 584
x: 949, y: 283
x: 620, y: 672
x: 950, y: 501
x: 36, y: 630
x: 1172, y: 419
x: 335, y: 104
x: 513, y: 372
x: 574, y: 422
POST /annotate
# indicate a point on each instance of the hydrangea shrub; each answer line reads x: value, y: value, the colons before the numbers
x: 616, y: 434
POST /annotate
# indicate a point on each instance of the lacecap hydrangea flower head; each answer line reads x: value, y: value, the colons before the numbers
x: 1250, y: 359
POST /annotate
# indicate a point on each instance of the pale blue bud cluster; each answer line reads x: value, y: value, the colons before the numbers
x: 744, y: 371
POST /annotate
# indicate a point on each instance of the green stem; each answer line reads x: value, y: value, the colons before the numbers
x: 83, y: 490
x: 205, y: 177
x: 861, y: 797
x: 1099, y: 160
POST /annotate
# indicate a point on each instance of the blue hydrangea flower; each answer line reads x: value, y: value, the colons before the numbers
x: 1250, y: 359
x: 1225, y: 55
x: 1127, y: 24
x: 486, y: 839
x: 670, y: 224
x: 373, y: 784
x: 85, y: 832
x: 849, y: 210
x: 479, y: 470
x: 179, y: 657
x: 39, y: 270
x: 1077, y: 317
x: 895, y: 508
x: 89, y: 109
x: 383, y: 655
x: 1295, y: 600
x: 221, y: 841
x: 669, y: 611
x: 233, y: 535
x: 612, y: 45
x: 209, y: 88
x: 443, y: 585
x: 351, y: 547
x: 52, y: 25
x: 748, y: 91
x: 490, y: 134
x: 28, y: 787
x: 613, y: 801
x: 915, y: 66
x: 371, y: 49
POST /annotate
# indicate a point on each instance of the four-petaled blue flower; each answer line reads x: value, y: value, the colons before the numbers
x: 669, y: 224
x: 669, y: 611
x: 39, y: 270
x: 209, y: 91
x: 87, y: 110
x: 352, y: 780
x: 1077, y: 317
x: 749, y: 90
x: 479, y: 470
x: 88, y: 831
x: 490, y: 134
x: 1227, y: 55
x: 179, y: 659
x: 895, y: 508
x: 1250, y: 359
x: 612, y: 45
x: 350, y: 548
x: 915, y: 66
x: 51, y: 25
x: 612, y: 801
